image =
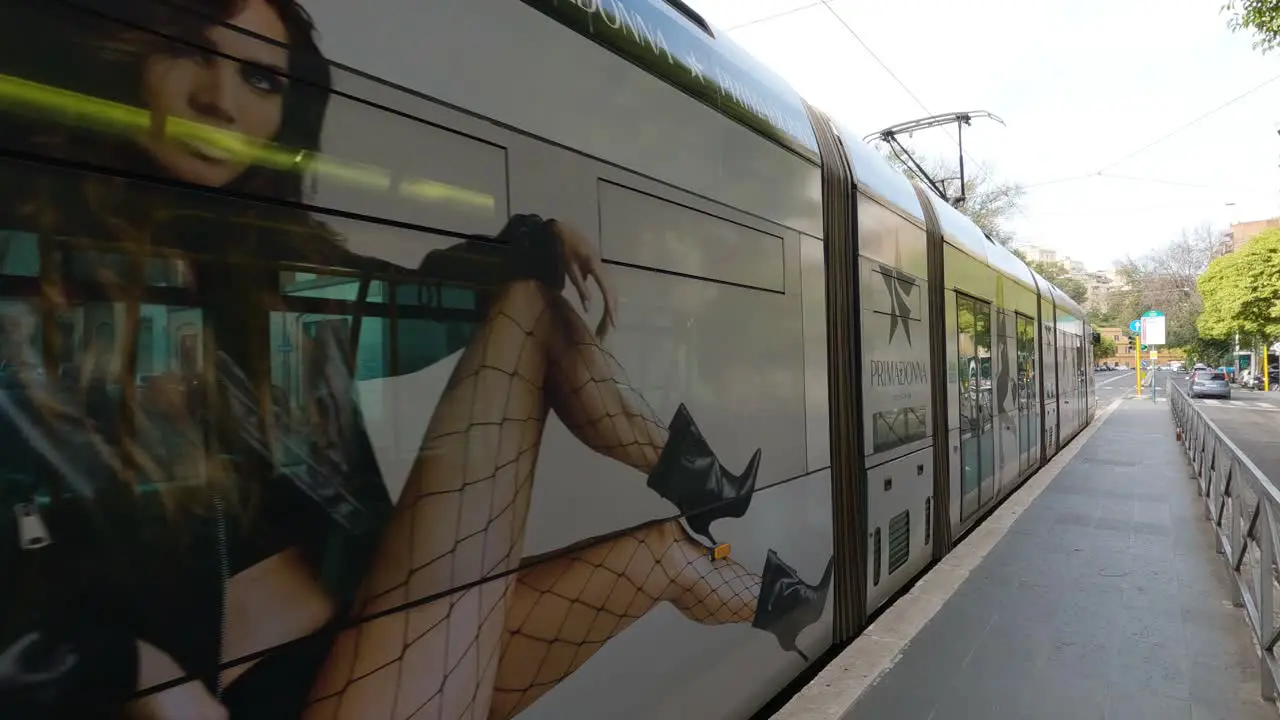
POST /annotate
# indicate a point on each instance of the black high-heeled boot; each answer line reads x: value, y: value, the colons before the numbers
x: 787, y: 605
x: 689, y: 476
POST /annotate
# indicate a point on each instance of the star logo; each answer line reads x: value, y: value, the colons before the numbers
x: 899, y: 286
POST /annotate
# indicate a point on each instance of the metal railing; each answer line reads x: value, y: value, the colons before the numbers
x: 1244, y: 507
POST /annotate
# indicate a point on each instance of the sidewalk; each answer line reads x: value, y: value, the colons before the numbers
x: 1103, y: 599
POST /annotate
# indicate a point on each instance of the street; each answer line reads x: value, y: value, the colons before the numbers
x: 1250, y: 419
x: 1113, y: 384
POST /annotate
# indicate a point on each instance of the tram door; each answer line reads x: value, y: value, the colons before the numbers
x: 977, y: 422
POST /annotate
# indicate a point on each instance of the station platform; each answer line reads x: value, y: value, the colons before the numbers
x: 1094, y: 592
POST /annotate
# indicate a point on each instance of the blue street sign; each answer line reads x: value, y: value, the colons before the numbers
x: 1135, y: 326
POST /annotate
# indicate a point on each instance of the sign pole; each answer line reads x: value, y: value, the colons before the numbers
x: 1266, y: 371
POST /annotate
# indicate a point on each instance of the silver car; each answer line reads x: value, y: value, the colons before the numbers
x: 1210, y: 383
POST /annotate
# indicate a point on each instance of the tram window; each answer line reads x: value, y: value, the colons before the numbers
x: 188, y: 352
x: 646, y: 231
x: 281, y: 301
x: 146, y: 347
x: 1026, y: 353
x: 19, y: 254
x: 894, y: 428
x: 19, y: 337
x: 896, y: 375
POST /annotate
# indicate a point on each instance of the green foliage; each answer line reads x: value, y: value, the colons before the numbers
x: 1261, y: 17
x: 1105, y: 317
x: 1242, y: 291
x: 1104, y: 348
x: 1210, y: 351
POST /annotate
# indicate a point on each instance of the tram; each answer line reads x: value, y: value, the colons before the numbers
x: 473, y: 359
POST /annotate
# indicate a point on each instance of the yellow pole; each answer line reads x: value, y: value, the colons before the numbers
x: 1266, y: 373
x: 1137, y: 362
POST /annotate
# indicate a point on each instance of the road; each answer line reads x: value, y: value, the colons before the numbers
x: 1113, y: 384
x: 1250, y: 419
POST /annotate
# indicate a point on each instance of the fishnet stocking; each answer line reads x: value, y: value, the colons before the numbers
x: 460, y: 517
x: 564, y: 610
x: 592, y: 397
x: 462, y: 514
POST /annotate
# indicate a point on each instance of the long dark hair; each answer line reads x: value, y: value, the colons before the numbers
x: 99, y: 49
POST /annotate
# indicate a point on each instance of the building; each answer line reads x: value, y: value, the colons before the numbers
x: 1124, y: 344
x: 1241, y: 233
x: 1035, y: 253
x: 1099, y: 284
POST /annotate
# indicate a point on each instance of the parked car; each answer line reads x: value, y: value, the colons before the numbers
x: 1254, y: 379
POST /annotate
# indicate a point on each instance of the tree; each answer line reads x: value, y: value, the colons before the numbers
x: 1242, y: 291
x: 1105, y: 316
x: 1261, y: 17
x: 989, y: 202
x: 1165, y: 280
x: 1210, y: 351
x: 1104, y: 348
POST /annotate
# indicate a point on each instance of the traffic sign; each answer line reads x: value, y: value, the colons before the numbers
x: 1152, y: 313
x: 1142, y: 347
x: 1152, y: 328
x: 1135, y: 326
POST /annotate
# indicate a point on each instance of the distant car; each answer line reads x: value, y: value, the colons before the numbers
x: 1210, y: 383
x: 1254, y: 380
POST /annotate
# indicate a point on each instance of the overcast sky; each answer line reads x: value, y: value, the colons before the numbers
x: 1081, y: 85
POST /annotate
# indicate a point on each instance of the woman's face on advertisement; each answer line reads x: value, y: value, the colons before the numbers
x: 243, y: 95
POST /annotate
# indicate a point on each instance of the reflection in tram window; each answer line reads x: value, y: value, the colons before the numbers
x: 977, y: 425
x: 19, y: 254
x: 1028, y: 394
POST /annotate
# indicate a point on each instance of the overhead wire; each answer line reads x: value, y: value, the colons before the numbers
x: 775, y: 16
x: 913, y: 96
x: 874, y: 56
x: 1101, y: 172
x: 1190, y: 123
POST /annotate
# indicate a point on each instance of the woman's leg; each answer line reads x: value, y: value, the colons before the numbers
x: 564, y: 610
x: 461, y: 516
x: 589, y: 391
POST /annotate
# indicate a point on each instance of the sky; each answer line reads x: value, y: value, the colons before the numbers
x: 1084, y: 86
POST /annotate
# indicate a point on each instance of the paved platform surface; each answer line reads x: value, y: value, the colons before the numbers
x: 1105, y: 599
